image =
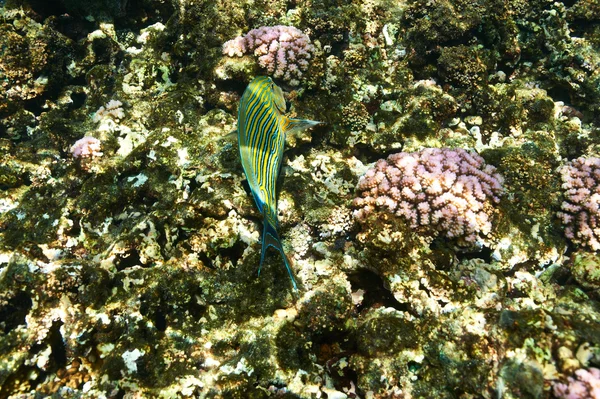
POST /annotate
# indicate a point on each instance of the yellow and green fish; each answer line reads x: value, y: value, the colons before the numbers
x: 261, y: 137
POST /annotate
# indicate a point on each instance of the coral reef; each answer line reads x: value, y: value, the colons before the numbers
x: 580, y: 212
x: 284, y: 51
x: 134, y: 273
x: 445, y: 190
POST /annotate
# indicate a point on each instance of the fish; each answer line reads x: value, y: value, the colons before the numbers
x: 261, y: 129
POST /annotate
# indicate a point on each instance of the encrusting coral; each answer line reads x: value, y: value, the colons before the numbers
x: 581, y: 209
x: 447, y: 190
x: 284, y: 51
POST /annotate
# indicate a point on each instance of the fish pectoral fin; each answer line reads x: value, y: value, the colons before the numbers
x: 271, y: 239
x: 296, y: 126
x: 231, y: 135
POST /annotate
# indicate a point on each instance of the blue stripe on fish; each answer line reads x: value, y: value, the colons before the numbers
x: 261, y: 138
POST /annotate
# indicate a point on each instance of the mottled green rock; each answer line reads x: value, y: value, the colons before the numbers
x: 586, y: 269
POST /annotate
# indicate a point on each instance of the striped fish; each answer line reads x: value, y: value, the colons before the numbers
x: 261, y: 136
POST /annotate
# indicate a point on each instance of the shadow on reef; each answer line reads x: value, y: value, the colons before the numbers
x: 68, y: 16
x: 376, y: 294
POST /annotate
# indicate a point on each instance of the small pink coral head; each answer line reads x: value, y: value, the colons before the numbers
x: 580, y: 211
x: 289, y: 50
x: 86, y: 147
x: 235, y: 47
x: 585, y: 385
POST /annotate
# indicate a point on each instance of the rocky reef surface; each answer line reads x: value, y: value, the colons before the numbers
x: 129, y: 243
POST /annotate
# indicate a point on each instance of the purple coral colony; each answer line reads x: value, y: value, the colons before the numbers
x: 442, y: 224
x: 580, y: 212
x: 447, y: 191
x: 283, y: 51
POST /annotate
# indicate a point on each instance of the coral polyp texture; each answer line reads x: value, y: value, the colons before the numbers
x: 585, y: 385
x: 284, y: 51
x: 450, y: 191
x: 581, y: 208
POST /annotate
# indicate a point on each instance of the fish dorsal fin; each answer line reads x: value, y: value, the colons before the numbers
x: 296, y: 126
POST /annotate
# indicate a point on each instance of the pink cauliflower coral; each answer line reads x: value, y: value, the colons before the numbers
x: 441, y: 190
x: 581, y: 209
x: 284, y: 51
x: 585, y: 385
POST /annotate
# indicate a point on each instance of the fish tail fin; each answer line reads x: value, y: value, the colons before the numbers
x: 295, y: 126
x: 271, y: 239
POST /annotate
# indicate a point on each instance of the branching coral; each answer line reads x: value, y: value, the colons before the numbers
x: 113, y: 109
x: 284, y: 51
x: 581, y: 209
x: 585, y: 385
x: 445, y: 190
x: 86, y: 147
